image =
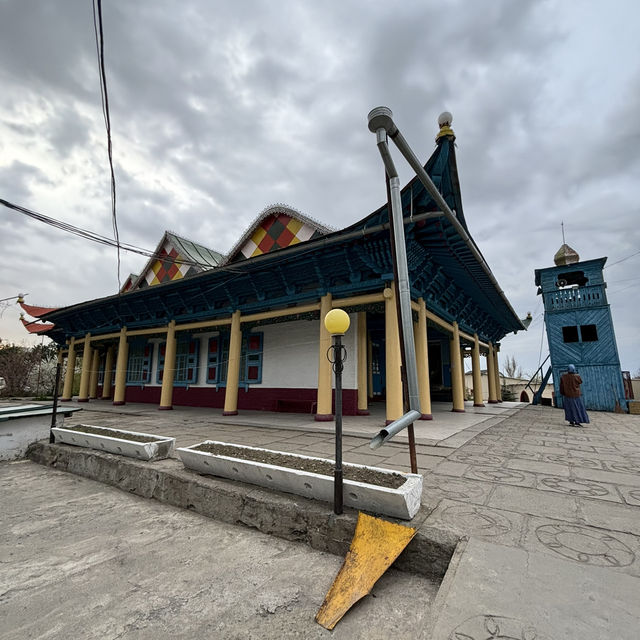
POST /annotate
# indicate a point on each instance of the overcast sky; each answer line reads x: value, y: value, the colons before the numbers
x: 219, y: 109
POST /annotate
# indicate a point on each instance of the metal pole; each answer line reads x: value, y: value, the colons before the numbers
x: 54, y: 413
x: 408, y: 399
x: 337, y: 475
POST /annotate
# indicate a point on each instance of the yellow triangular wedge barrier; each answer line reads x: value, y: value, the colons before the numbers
x: 376, y: 544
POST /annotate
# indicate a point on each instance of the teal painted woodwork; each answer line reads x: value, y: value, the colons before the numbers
x: 580, y: 331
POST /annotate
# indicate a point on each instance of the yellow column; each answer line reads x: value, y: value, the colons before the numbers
x: 491, y: 374
x: 93, y: 378
x: 108, y: 370
x: 498, y: 384
x: 422, y: 359
x: 392, y: 356
x: 457, y: 384
x: 83, y: 394
x: 477, y: 375
x: 67, y: 389
x: 233, y: 371
x: 369, y: 367
x: 324, y: 405
x: 121, y: 368
x: 363, y: 407
x: 169, y: 371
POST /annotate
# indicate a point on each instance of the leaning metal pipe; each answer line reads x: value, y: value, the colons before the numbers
x: 394, y: 428
x: 382, y: 117
x: 404, y: 291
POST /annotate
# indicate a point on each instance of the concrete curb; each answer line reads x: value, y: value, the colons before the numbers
x: 283, y: 515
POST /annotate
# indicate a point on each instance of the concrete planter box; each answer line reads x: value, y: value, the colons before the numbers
x: 161, y: 447
x: 403, y: 502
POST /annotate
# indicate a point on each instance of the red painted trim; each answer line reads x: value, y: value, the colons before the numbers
x: 254, y: 399
x: 229, y: 413
x: 323, y: 417
x: 119, y: 403
x: 83, y: 399
x: 65, y: 399
x: 493, y: 402
x: 458, y: 410
x: 362, y: 412
x: 165, y: 408
x: 479, y: 404
x: 426, y: 416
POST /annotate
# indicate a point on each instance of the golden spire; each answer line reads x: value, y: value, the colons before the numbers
x: 444, y: 120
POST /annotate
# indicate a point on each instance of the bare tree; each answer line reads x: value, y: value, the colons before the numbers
x: 511, y: 368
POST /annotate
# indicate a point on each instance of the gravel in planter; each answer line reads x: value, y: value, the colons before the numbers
x: 359, y: 474
x: 102, y: 431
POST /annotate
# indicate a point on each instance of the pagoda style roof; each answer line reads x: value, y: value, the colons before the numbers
x: 445, y: 268
x: 276, y: 227
x: 174, y: 258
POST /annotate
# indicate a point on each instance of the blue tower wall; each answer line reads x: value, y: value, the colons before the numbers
x: 581, y: 312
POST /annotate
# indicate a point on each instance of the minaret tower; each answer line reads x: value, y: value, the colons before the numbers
x: 580, y: 328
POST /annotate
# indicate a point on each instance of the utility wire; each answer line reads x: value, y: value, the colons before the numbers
x: 622, y: 259
x: 97, y: 27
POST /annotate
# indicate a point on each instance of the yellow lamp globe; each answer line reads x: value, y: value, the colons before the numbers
x: 337, y: 322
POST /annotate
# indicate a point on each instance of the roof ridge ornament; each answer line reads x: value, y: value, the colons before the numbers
x: 444, y: 122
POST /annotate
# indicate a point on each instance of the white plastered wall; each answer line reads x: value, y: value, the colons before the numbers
x: 289, y: 355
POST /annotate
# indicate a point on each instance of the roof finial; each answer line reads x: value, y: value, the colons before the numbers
x: 563, y: 240
x: 444, y: 121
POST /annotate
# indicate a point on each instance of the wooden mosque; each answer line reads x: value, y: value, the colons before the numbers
x: 245, y: 331
x: 580, y: 329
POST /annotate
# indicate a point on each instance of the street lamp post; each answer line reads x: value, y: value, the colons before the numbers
x: 337, y: 323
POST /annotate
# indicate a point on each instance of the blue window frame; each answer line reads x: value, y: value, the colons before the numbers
x: 139, y: 363
x: 250, y: 359
x: 186, y: 361
x: 101, y: 368
x: 251, y: 362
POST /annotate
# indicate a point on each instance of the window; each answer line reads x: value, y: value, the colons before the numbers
x: 250, y: 359
x: 139, y: 363
x: 572, y: 278
x: 186, y: 371
x: 589, y: 333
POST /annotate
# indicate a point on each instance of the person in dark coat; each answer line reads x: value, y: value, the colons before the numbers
x: 574, y: 409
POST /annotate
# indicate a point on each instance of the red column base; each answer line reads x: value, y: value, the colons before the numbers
x: 229, y: 413
x: 457, y: 410
x: 118, y: 404
x: 161, y: 408
x: 323, y: 417
x: 65, y: 399
x: 426, y: 416
x: 493, y: 402
x: 83, y: 399
x: 480, y: 404
x: 362, y: 412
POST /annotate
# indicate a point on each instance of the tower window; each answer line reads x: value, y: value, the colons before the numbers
x: 570, y: 334
x: 589, y: 332
x: 572, y: 278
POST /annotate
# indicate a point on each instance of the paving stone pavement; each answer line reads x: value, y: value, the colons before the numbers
x: 525, y: 486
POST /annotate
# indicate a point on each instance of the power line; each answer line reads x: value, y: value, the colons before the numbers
x: 97, y: 27
x: 96, y: 237
x: 622, y: 259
